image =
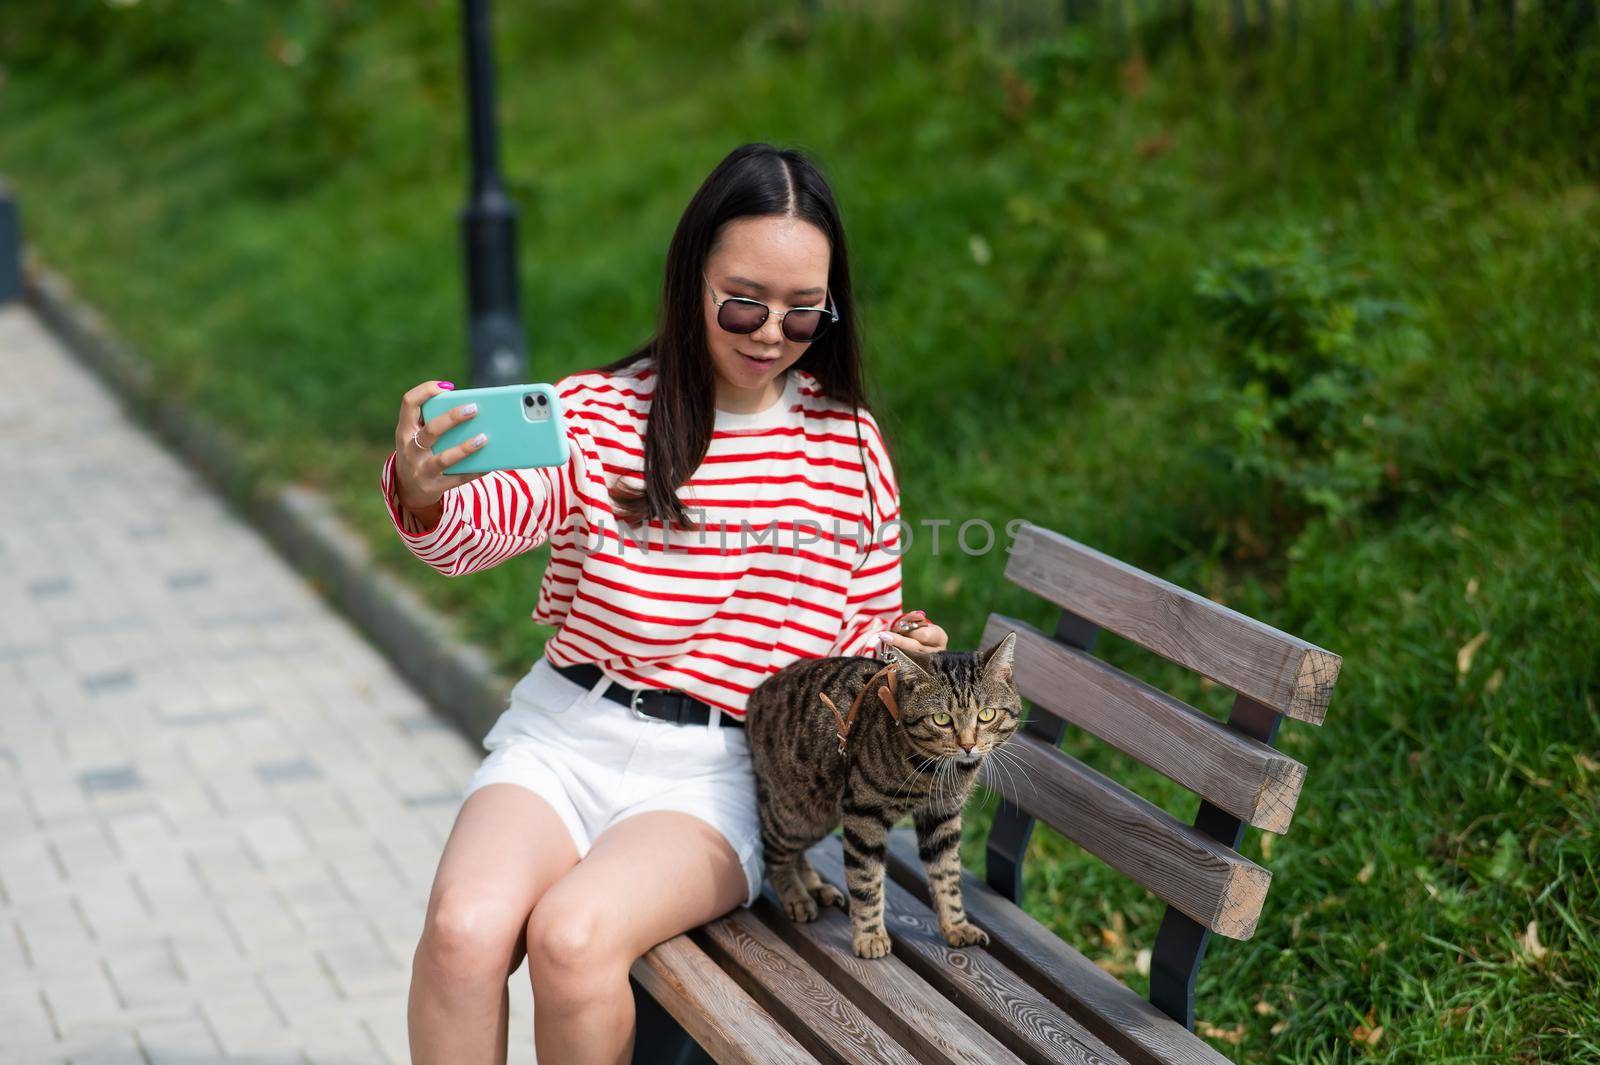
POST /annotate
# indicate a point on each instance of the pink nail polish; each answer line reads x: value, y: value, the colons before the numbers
x: 479, y: 440
x: 469, y: 409
x: 447, y: 385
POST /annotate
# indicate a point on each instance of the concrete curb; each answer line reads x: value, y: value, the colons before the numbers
x: 454, y: 675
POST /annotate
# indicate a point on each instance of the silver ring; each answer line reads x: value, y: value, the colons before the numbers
x: 417, y: 442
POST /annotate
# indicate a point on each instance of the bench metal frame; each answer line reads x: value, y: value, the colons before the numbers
x: 1181, y: 942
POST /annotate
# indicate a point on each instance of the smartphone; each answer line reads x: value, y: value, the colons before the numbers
x: 523, y: 423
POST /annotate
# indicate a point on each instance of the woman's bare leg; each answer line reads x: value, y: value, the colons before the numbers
x: 647, y: 878
x: 506, y: 848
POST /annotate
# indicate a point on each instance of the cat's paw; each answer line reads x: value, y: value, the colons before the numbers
x: 801, y: 908
x: 828, y: 895
x: 871, y: 944
x: 965, y: 934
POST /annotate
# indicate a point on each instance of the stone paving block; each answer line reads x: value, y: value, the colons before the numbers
x: 83, y: 1003
x: 116, y: 1049
x: 225, y: 866
x: 246, y: 1024
x: 260, y: 919
x: 58, y: 801
x: 24, y: 1017
x: 28, y: 867
x: 83, y: 849
x: 362, y: 965
x: 287, y: 770
x: 185, y: 1041
x: 205, y: 949
x: 235, y: 793
x: 301, y: 986
x: 341, y: 1042
x: 147, y: 974
x: 137, y: 832
x: 53, y: 934
x: 273, y: 838
x: 112, y: 908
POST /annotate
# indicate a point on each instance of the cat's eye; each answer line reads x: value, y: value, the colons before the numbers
x: 941, y: 718
x: 986, y: 714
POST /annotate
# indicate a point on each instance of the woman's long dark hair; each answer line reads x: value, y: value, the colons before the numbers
x: 754, y: 180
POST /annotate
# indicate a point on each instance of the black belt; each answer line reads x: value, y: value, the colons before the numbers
x: 663, y: 704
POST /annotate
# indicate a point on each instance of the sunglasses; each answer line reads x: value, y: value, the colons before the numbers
x: 738, y: 314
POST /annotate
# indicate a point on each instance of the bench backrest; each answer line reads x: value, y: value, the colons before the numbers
x: 1197, y: 869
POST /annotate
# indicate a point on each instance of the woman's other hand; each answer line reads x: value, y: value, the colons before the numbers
x: 420, y: 480
x: 914, y: 632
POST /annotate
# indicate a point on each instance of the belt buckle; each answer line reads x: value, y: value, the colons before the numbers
x: 633, y: 705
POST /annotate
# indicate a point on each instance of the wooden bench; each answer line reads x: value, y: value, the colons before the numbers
x: 755, y: 987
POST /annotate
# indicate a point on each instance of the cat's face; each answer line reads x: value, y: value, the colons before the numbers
x: 958, y: 705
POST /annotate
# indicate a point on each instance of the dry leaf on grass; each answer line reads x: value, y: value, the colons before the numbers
x: 1232, y: 1036
x: 1365, y: 875
x: 1368, y: 1032
x: 1530, y: 946
x: 1468, y: 651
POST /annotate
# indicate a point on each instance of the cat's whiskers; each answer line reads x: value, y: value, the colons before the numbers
x: 1014, y: 761
x: 1000, y: 767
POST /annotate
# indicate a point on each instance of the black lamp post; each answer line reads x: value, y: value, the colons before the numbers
x: 10, y: 248
x: 489, y: 222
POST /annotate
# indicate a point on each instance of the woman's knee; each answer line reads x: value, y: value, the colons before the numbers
x: 568, y: 943
x: 469, y: 934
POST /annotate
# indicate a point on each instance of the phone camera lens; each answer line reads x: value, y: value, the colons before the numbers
x: 543, y: 402
x: 527, y: 401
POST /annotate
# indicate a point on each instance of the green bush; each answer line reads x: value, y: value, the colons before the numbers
x: 1306, y: 343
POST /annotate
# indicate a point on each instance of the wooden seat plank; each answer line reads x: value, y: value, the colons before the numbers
x: 718, y: 1013
x: 1210, y: 882
x: 1107, y: 1007
x: 823, y: 1020
x: 897, y: 999
x: 1249, y: 779
x: 1035, y: 1028
x: 1267, y: 664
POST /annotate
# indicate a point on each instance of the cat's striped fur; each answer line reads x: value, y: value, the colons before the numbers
x: 921, y: 765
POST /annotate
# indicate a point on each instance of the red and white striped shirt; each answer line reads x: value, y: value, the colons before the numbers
x: 789, y: 561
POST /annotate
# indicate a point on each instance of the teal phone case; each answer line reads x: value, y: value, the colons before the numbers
x: 523, y: 432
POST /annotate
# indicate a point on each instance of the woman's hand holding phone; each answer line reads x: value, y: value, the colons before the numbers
x: 420, y: 480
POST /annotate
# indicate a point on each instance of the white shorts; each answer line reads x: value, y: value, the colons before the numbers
x: 597, y: 763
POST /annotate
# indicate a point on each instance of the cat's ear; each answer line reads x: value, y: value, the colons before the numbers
x: 997, y: 665
x: 912, y: 666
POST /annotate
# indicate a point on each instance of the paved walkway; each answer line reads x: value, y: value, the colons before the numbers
x: 220, y: 809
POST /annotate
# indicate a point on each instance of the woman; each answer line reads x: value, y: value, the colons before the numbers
x: 721, y: 515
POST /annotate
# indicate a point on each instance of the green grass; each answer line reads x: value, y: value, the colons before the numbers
x: 279, y: 241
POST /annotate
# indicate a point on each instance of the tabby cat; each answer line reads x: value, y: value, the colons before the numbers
x: 915, y: 752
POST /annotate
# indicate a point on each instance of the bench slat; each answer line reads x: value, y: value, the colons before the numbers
x: 830, y: 1025
x: 897, y: 999
x: 1247, y: 778
x: 1211, y: 883
x: 714, y: 1010
x: 1271, y: 666
x: 1014, y: 1012
x: 1101, y: 1002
